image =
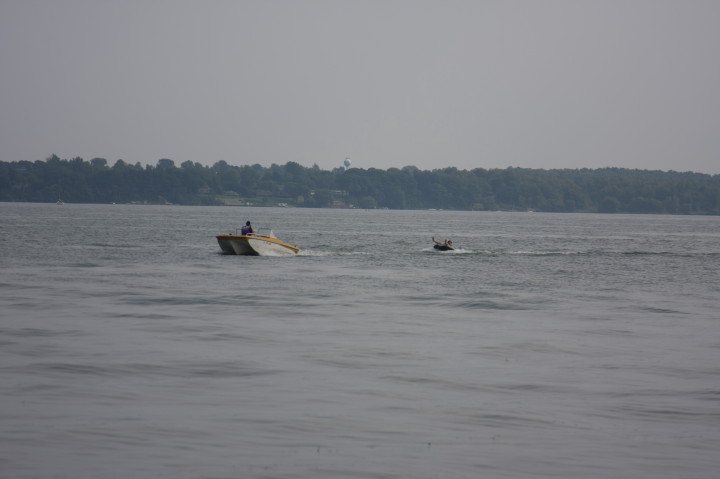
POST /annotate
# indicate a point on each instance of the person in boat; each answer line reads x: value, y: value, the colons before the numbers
x: 448, y: 244
x: 247, y: 229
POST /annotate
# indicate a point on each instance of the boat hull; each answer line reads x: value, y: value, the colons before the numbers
x: 255, y: 245
x: 443, y: 247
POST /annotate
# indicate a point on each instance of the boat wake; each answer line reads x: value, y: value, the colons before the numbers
x: 320, y: 253
x: 451, y: 251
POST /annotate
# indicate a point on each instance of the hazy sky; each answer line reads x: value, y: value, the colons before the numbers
x: 389, y: 83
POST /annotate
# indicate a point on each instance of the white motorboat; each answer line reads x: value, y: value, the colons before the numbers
x: 257, y: 244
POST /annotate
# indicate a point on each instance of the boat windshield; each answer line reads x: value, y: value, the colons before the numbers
x: 265, y: 232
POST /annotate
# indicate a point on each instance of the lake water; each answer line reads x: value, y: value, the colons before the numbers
x: 548, y: 345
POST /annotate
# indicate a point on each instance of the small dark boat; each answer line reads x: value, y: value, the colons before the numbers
x: 443, y: 246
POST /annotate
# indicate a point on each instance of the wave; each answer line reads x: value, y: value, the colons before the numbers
x: 593, y: 252
x: 329, y: 252
x: 215, y: 369
x: 449, y: 252
x: 113, y: 245
x: 320, y: 253
x: 676, y: 254
x: 491, y: 305
x: 652, y: 309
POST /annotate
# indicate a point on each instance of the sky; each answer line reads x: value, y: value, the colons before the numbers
x: 388, y: 83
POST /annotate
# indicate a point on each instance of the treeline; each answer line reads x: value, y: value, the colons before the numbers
x: 606, y: 190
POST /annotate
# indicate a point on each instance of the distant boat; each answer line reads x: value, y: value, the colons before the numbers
x: 60, y: 201
x: 255, y: 244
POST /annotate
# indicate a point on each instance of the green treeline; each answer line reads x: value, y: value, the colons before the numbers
x: 606, y: 190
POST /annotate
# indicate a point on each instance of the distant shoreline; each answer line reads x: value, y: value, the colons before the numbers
x: 606, y: 190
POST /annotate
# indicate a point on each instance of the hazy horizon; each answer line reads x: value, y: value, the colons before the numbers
x: 465, y: 84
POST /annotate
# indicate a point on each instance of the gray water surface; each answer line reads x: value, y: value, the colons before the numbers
x: 547, y: 345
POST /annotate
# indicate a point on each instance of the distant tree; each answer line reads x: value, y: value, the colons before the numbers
x: 609, y: 204
x: 165, y: 163
x: 607, y: 190
x: 98, y: 163
x: 367, y: 203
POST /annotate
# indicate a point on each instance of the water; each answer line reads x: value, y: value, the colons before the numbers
x: 564, y: 346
